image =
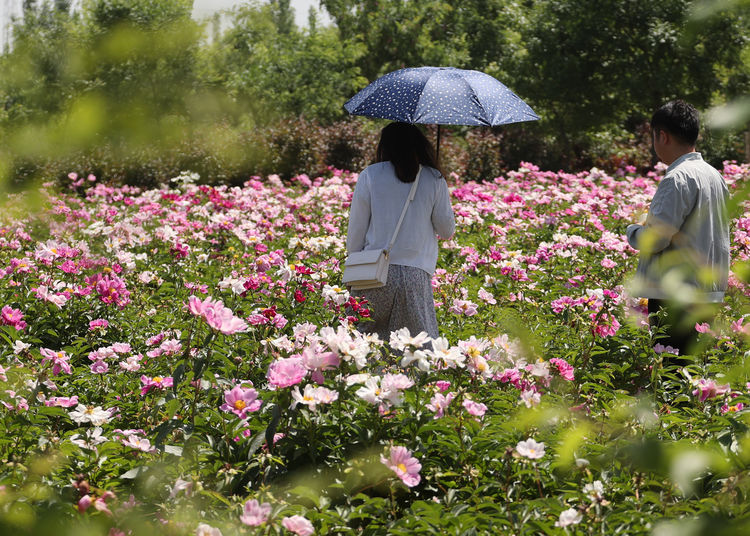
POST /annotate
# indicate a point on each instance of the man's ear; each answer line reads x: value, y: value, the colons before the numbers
x: 664, y: 137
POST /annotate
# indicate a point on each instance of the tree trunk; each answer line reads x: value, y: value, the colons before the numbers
x: 747, y: 146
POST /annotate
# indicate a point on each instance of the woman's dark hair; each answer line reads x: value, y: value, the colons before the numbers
x: 680, y: 119
x: 405, y: 146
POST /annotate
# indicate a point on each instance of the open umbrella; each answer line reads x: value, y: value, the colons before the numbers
x: 441, y: 96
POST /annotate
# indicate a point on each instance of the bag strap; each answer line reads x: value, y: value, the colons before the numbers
x: 403, y: 212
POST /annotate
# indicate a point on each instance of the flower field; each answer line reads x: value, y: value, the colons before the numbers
x: 182, y: 361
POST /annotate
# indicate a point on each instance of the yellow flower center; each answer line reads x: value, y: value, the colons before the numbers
x: 53, y: 250
x: 307, y: 398
x: 240, y: 404
x: 158, y: 379
x: 474, y: 351
x: 402, y: 467
x: 292, y: 267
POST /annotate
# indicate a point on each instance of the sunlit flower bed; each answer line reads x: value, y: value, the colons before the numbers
x: 183, y: 361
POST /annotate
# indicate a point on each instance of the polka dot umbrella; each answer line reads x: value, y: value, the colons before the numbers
x: 441, y: 96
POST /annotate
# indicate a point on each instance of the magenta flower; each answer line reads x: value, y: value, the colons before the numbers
x: 157, y: 382
x: 286, y: 372
x: 404, y: 465
x: 255, y: 514
x: 12, y: 317
x: 241, y: 401
x: 298, y: 525
x: 112, y: 290
x: 59, y: 360
x: 564, y: 368
x: 99, y: 323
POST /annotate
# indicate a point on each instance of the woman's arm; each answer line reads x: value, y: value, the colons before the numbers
x: 359, y: 215
x: 443, y: 220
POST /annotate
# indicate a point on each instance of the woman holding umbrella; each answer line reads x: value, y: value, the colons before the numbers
x: 403, y: 155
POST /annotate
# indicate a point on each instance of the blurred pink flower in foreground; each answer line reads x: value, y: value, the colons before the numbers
x: 216, y: 315
x: 255, y: 514
x: 404, y: 465
x: 241, y: 401
x: 298, y: 525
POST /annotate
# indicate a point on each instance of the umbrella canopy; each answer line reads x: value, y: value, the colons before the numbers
x: 442, y: 96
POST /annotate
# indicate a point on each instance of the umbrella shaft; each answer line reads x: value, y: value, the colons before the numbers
x: 437, y: 147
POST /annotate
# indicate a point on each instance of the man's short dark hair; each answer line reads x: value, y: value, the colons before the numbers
x: 680, y: 119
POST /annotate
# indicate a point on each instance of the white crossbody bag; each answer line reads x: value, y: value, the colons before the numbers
x: 369, y: 268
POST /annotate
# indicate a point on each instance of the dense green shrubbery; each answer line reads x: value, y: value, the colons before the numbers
x: 133, y: 90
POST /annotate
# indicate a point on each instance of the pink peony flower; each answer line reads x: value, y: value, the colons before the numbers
x: 463, y: 307
x: 406, y: 467
x: 530, y: 449
x: 440, y: 403
x: 706, y: 389
x: 99, y: 323
x: 216, y: 315
x: 157, y: 382
x: 298, y: 525
x: 255, y: 514
x: 286, y: 372
x: 12, y: 317
x: 241, y: 401
x: 59, y: 360
x: 477, y: 409
x: 564, y: 368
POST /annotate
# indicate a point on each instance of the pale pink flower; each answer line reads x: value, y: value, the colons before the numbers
x: 139, y: 443
x: 530, y: 449
x: 216, y: 315
x: 463, y: 307
x: 312, y: 396
x: 568, y: 517
x: 62, y: 401
x: 241, y: 401
x: 486, y: 296
x: 477, y: 409
x: 608, y: 263
x: 317, y: 362
x: 530, y: 397
x: 207, y: 530
x: 440, y: 403
x: 286, y: 372
x: 406, y: 467
x: 99, y: 367
x: 298, y: 525
x: 255, y: 514
x: 702, y: 328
